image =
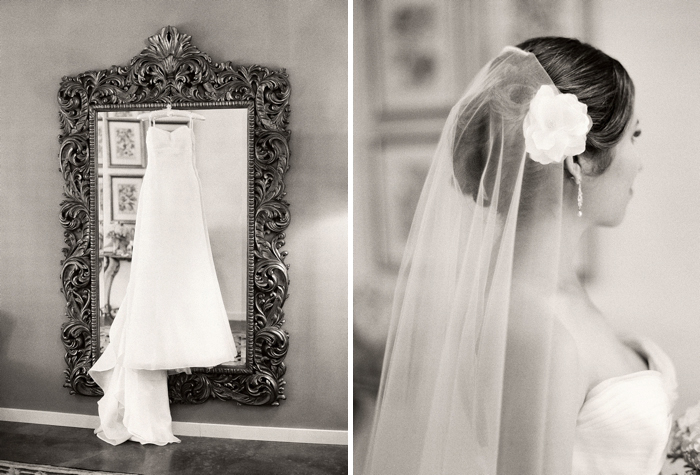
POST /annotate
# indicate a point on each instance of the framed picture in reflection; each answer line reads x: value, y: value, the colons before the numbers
x: 126, y: 144
x: 125, y: 192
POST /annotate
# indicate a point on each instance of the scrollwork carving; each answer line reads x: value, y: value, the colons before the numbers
x: 172, y: 70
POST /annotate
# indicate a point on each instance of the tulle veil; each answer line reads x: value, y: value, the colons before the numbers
x: 466, y: 384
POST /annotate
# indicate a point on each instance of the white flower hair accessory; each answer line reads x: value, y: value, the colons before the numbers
x: 555, y: 126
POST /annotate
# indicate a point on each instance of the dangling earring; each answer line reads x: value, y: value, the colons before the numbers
x: 579, y: 198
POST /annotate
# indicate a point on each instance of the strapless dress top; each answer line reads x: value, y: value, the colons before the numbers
x: 624, y: 424
x: 169, y: 148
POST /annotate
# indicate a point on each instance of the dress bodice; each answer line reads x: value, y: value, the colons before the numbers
x: 624, y: 424
x: 174, y: 147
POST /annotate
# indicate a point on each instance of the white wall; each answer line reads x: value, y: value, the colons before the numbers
x: 650, y: 265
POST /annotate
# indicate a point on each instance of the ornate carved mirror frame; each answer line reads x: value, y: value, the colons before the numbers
x: 173, y: 71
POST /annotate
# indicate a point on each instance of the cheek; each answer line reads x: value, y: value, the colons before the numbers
x: 608, y: 196
x: 628, y: 176
x: 627, y: 164
x: 621, y: 174
x: 604, y: 195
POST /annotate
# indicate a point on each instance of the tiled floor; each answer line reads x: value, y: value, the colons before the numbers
x: 80, y: 448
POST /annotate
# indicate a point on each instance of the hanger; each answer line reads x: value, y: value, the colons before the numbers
x: 170, y: 112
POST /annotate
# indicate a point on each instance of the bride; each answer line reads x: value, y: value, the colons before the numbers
x: 497, y: 361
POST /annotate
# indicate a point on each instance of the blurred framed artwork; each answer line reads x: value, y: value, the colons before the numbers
x: 415, y: 56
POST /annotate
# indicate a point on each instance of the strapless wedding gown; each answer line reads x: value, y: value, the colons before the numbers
x: 173, y: 316
x: 625, y: 422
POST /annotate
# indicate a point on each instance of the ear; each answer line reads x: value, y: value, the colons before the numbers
x: 573, y: 166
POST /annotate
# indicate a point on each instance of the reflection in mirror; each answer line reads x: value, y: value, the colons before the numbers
x: 221, y: 161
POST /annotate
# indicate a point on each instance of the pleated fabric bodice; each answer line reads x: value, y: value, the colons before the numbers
x: 169, y: 148
x: 625, y: 422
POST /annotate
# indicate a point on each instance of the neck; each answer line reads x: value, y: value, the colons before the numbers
x: 573, y: 228
x: 538, y: 250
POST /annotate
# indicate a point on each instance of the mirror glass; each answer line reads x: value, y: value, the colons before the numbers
x: 222, y: 165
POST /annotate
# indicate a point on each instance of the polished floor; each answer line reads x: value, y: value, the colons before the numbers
x: 80, y: 448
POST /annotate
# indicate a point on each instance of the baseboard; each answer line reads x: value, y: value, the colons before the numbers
x: 193, y: 429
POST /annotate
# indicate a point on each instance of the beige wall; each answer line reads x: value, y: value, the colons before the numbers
x: 650, y: 265
x: 42, y: 41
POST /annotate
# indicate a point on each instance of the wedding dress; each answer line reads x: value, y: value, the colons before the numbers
x: 173, y: 315
x: 625, y: 422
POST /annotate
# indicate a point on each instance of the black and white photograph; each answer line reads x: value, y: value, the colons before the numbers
x: 526, y: 224
x: 367, y: 237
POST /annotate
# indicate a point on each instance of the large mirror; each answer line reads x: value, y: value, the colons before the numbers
x: 222, y: 162
x: 241, y: 153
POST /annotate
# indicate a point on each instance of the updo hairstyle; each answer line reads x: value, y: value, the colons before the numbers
x: 595, y: 78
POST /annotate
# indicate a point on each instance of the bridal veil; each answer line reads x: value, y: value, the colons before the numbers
x: 474, y: 366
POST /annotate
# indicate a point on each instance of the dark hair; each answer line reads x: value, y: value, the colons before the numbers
x: 596, y: 79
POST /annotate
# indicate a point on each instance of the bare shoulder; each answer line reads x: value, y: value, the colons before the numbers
x: 601, y: 354
x: 543, y: 326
